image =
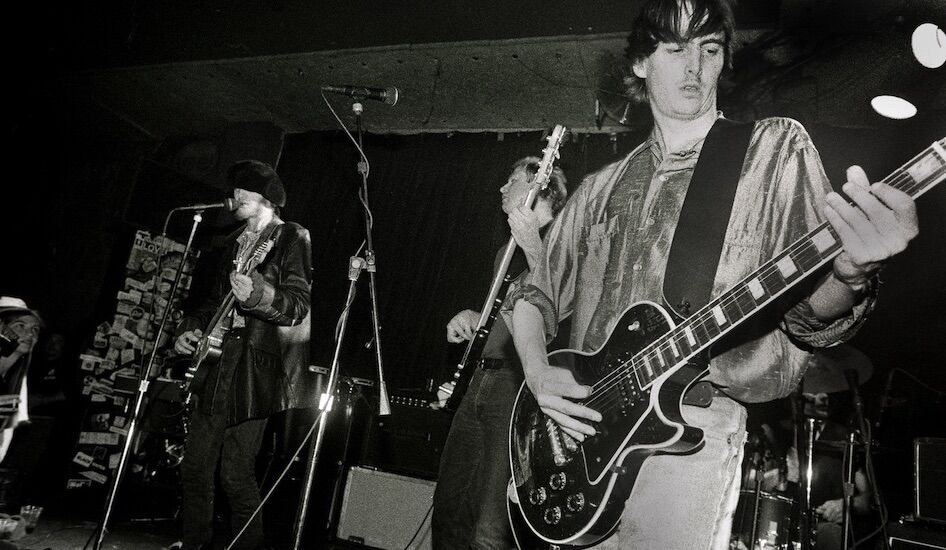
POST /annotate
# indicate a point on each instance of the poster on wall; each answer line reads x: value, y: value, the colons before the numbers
x: 111, y: 366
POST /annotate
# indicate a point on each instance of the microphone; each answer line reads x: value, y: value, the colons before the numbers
x: 388, y: 95
x: 229, y: 204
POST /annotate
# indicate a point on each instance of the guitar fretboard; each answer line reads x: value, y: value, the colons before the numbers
x: 769, y: 281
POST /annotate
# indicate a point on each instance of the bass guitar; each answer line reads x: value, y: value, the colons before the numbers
x: 572, y: 494
x: 209, y: 348
x: 455, y: 388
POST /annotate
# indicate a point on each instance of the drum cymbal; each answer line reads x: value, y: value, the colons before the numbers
x: 825, y: 372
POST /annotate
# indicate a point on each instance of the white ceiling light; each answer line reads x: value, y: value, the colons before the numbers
x: 892, y: 106
x: 929, y: 45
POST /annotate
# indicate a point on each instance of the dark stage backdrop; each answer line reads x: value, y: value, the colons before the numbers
x: 437, y: 226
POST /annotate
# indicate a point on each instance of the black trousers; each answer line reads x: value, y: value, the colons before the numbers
x: 209, y: 441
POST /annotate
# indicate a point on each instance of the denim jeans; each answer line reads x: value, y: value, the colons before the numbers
x: 686, y: 502
x: 209, y: 441
x: 470, y: 498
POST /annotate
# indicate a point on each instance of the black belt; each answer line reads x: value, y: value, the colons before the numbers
x: 488, y: 363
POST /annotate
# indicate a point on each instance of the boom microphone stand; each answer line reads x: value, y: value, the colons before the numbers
x: 356, y: 264
x: 145, y: 380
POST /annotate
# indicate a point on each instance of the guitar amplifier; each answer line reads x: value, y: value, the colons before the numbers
x: 929, y: 479
x: 915, y: 536
x: 409, y: 441
x: 385, y: 510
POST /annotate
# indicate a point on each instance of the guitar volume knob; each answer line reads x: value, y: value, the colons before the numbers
x: 558, y: 481
x: 552, y: 515
x: 538, y: 496
x: 576, y: 502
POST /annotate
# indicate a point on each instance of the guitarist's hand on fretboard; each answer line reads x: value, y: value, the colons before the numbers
x: 462, y: 326
x: 185, y: 342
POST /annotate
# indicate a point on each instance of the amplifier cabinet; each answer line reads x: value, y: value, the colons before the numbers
x: 929, y: 477
x: 385, y: 510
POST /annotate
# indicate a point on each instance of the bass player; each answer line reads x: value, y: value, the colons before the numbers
x: 469, y: 501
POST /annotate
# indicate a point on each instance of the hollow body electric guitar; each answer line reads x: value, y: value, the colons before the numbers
x: 573, y: 494
x: 501, y: 281
x: 209, y: 348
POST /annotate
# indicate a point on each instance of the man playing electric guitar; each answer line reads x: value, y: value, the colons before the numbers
x: 609, y: 248
x: 469, y: 501
x: 262, y: 363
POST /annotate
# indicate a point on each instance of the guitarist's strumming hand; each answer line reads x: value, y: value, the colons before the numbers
x: 554, y: 388
x: 462, y: 326
x: 242, y: 286
x: 185, y: 342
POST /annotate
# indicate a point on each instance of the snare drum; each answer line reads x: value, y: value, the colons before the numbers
x: 772, y: 526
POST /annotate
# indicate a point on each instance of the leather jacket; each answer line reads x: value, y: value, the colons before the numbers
x: 263, y: 368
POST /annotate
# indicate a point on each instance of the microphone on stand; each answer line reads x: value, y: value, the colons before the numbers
x: 388, y: 95
x: 229, y: 204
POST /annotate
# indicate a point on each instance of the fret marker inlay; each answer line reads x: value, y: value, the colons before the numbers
x: 786, y: 266
x: 823, y: 240
x: 755, y: 287
x: 690, y: 338
x: 673, y: 348
x: 720, y: 317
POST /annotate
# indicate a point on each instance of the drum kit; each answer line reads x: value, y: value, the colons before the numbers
x: 774, y: 510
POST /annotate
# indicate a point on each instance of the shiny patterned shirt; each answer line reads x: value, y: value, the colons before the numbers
x: 609, y: 246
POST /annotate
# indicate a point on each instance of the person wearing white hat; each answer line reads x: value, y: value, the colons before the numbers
x: 19, y: 329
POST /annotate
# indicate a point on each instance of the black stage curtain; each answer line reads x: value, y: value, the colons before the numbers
x: 437, y: 226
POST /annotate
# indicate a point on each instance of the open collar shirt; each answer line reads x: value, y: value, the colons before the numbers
x: 608, y: 249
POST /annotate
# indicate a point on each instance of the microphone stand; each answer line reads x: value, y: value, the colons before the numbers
x: 325, y: 402
x: 144, y: 381
x: 384, y: 406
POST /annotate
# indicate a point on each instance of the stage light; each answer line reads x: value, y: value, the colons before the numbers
x: 892, y: 106
x: 929, y: 45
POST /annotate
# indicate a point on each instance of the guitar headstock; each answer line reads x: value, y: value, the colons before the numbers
x: 549, y: 156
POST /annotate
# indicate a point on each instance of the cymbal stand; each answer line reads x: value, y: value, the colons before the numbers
x: 859, y: 425
x: 758, y: 464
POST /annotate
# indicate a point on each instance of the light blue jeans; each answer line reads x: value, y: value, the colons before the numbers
x: 686, y: 502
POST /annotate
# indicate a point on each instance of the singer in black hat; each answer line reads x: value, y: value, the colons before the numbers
x: 262, y: 366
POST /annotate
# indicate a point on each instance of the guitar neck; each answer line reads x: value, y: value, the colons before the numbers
x: 772, y: 279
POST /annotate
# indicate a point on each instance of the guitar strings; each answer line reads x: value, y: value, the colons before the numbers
x: 801, y: 249
x: 701, y: 317
x: 802, y: 241
x: 612, y: 379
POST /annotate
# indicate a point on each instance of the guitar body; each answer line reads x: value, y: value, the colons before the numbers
x: 207, y: 352
x: 571, y: 494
